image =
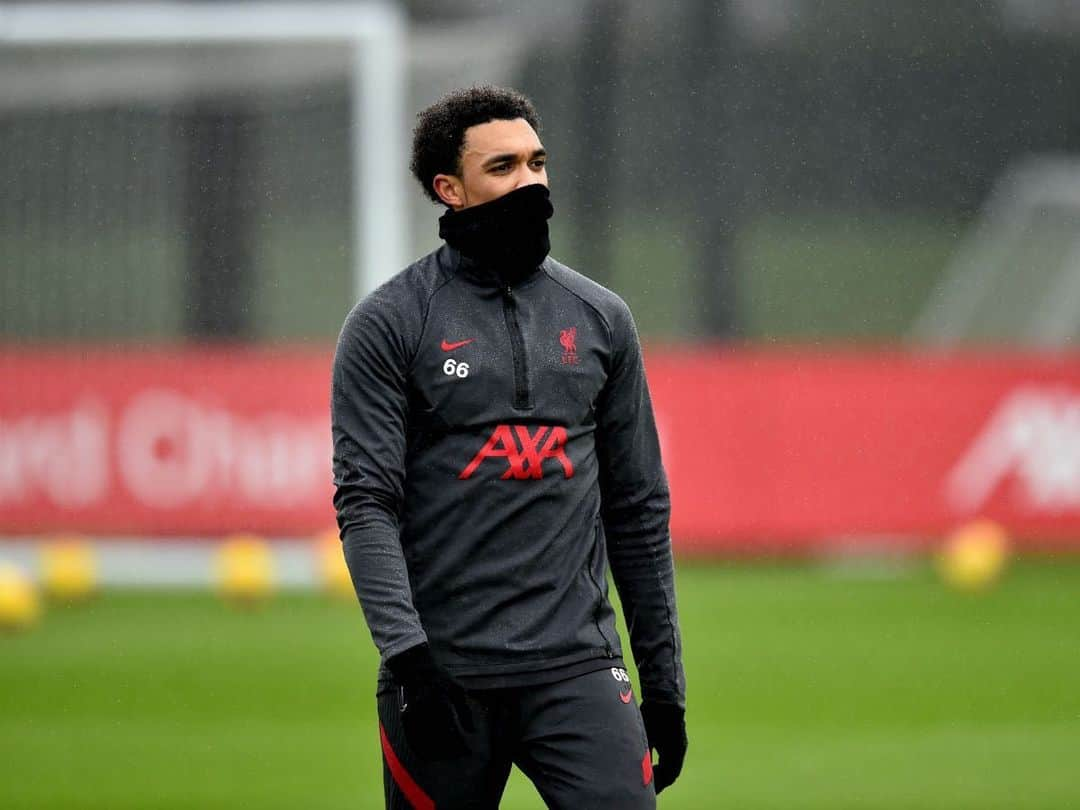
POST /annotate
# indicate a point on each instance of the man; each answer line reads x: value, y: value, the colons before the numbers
x: 494, y: 450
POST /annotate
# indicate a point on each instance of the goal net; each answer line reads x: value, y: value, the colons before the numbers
x: 1016, y: 278
x: 197, y: 170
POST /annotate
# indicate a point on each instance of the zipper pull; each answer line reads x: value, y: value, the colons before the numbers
x: 508, y: 292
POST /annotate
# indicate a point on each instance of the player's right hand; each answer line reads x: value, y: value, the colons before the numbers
x: 435, y: 714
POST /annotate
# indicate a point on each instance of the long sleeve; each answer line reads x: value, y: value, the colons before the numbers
x: 635, y: 508
x: 369, y: 412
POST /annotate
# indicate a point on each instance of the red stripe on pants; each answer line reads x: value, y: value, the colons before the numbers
x: 413, y: 792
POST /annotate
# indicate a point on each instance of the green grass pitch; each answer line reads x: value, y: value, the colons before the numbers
x: 809, y: 687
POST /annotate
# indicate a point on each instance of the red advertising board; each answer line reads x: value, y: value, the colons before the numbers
x: 787, y: 449
x: 765, y: 450
x: 193, y: 442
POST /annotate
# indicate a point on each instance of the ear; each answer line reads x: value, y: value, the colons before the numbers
x: 450, y: 190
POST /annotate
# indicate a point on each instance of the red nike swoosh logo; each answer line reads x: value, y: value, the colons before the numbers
x: 449, y: 347
x: 626, y: 696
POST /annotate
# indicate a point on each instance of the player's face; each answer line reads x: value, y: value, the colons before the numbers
x: 497, y: 157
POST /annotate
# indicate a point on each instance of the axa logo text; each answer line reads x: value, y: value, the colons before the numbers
x: 524, y: 451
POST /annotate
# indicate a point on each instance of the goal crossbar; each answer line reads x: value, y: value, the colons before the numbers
x: 375, y: 31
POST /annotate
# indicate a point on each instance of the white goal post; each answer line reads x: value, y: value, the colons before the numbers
x: 375, y: 32
x: 1016, y: 277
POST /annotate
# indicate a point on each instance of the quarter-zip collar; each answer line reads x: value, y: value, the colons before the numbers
x: 487, y: 277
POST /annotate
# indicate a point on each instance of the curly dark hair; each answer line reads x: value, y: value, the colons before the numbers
x: 440, y: 129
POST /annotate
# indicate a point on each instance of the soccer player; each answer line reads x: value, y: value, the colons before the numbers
x: 494, y: 453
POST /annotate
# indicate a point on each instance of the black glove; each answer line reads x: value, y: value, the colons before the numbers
x: 665, y: 726
x: 434, y: 712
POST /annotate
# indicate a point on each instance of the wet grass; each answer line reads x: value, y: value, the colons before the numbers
x: 809, y: 687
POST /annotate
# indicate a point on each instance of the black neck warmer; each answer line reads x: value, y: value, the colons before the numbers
x: 506, y: 237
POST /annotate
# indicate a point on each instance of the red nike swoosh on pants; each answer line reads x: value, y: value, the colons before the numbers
x: 449, y: 347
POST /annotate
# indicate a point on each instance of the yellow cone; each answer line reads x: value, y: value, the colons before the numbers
x: 68, y: 569
x: 332, y: 569
x: 974, y: 556
x: 245, y: 569
x: 19, y: 603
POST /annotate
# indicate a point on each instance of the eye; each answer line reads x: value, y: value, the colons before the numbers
x: 539, y: 163
x: 500, y: 168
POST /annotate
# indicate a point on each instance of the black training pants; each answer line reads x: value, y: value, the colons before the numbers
x: 580, y: 740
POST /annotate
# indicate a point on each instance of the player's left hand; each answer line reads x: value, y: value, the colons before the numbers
x: 665, y: 726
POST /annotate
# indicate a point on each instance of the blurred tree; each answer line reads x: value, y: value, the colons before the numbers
x: 218, y: 219
x: 709, y: 68
x: 597, y: 122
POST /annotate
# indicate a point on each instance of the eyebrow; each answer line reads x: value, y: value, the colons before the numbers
x: 491, y: 161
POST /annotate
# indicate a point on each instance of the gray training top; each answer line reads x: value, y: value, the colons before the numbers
x: 494, y: 451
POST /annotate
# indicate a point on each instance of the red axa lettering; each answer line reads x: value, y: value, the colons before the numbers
x: 524, y: 451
